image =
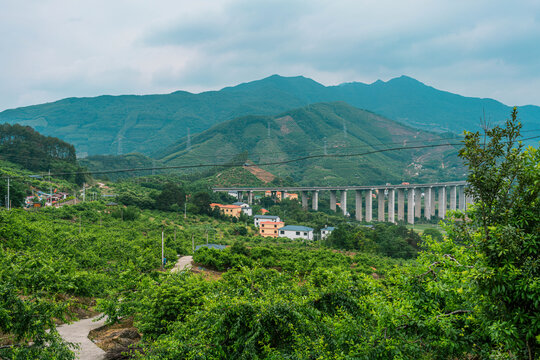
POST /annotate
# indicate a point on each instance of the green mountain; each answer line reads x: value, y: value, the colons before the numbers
x: 306, y: 132
x: 123, y: 124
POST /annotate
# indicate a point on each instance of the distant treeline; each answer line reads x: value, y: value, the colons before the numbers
x: 27, y: 148
x: 24, y: 146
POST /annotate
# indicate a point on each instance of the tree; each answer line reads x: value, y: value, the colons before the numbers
x: 16, y: 193
x: 503, y: 231
x: 170, y: 195
x: 201, y: 201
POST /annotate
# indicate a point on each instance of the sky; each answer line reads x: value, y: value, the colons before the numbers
x: 53, y: 49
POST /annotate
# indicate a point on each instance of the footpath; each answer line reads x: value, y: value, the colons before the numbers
x: 77, y: 332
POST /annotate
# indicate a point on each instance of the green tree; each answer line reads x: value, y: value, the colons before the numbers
x: 201, y: 201
x: 504, y: 232
x: 16, y: 193
x: 171, y: 194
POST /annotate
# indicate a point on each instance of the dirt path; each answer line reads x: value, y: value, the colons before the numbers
x: 78, y: 333
x: 183, y: 263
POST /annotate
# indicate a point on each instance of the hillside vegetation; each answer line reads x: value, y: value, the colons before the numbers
x: 305, y: 131
x: 123, y: 124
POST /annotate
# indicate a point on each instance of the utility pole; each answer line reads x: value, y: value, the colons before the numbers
x: 50, y: 187
x: 162, y: 248
x: 84, y: 192
x: 185, y: 209
x: 8, y: 200
x: 192, y: 243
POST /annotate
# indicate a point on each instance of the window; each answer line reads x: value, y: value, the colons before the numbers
x: 305, y: 233
x: 298, y: 233
x: 282, y: 232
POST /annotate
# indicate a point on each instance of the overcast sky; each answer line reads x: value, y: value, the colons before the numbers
x: 52, y: 49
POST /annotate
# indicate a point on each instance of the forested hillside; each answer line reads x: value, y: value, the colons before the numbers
x: 123, y: 124
x: 23, y: 146
x: 335, y: 129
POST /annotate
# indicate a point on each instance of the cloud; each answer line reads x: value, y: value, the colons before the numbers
x: 57, y: 49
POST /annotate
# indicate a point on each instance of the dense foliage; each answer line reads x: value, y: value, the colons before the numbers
x: 472, y: 294
x: 23, y: 146
x: 385, y: 239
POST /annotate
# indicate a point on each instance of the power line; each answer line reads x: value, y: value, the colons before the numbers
x: 308, y: 157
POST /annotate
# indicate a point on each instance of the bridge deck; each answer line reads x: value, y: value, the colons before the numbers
x: 330, y: 188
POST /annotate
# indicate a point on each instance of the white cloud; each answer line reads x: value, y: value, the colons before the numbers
x: 58, y: 49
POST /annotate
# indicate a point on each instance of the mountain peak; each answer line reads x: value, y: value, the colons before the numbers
x: 404, y: 79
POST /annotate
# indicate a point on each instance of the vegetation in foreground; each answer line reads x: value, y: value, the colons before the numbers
x: 472, y: 295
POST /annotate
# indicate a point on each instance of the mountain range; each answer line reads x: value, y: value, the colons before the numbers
x: 149, y: 124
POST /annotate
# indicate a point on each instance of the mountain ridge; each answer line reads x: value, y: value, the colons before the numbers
x: 119, y: 124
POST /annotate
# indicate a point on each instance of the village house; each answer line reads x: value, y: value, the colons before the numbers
x: 258, y: 218
x: 246, y: 209
x: 326, y: 231
x: 228, y: 210
x: 291, y: 196
x: 296, y: 232
x: 270, y: 228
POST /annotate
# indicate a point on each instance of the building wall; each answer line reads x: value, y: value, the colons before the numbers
x: 291, y: 234
x: 270, y: 228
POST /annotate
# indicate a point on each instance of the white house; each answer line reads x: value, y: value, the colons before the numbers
x: 246, y: 209
x: 258, y: 218
x: 296, y: 232
x: 326, y: 231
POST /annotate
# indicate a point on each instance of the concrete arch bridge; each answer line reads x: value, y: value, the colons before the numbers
x: 428, y: 200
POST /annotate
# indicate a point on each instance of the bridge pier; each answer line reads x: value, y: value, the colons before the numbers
x: 400, y: 204
x: 250, y: 197
x: 461, y: 197
x: 333, y: 200
x: 453, y: 198
x: 391, y: 205
x: 442, y: 202
x: 304, y: 200
x: 410, y: 206
x: 418, y: 203
x: 427, y: 203
x: 380, y: 205
x: 358, y: 211
x: 315, y: 200
x: 343, y: 202
x: 369, y: 207
x: 468, y: 200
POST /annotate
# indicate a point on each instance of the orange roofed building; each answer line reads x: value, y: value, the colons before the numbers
x: 270, y: 228
x: 229, y: 210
